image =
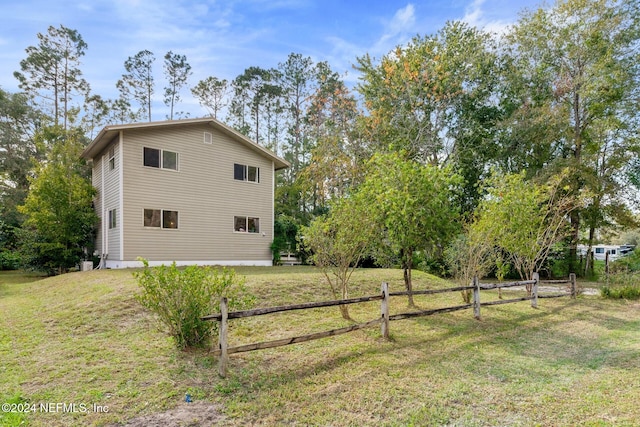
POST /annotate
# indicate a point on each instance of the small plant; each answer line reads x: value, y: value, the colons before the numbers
x: 180, y: 297
x: 622, y: 286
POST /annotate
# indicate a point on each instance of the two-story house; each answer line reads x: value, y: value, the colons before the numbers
x: 192, y: 191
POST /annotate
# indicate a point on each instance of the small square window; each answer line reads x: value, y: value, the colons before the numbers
x: 169, y: 160
x: 240, y: 223
x: 152, y: 217
x: 169, y: 219
x: 239, y: 172
x: 253, y: 174
x: 151, y: 157
x: 253, y: 225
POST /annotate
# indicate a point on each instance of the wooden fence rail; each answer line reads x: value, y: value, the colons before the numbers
x: 224, y: 316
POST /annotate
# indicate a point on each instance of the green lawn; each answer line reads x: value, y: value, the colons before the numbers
x: 82, y: 339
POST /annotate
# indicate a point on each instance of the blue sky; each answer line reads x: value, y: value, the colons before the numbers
x: 223, y: 38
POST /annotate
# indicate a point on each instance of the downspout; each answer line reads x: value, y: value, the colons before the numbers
x: 105, y: 234
x: 121, y: 191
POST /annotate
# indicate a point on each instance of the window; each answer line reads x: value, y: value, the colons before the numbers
x: 112, y: 219
x: 156, y: 158
x: 151, y: 157
x: 157, y: 217
x: 246, y: 173
x: 169, y: 219
x: 243, y: 224
x: 208, y: 138
x: 112, y: 158
x: 599, y: 250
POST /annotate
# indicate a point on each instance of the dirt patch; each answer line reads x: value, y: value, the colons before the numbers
x: 193, y: 414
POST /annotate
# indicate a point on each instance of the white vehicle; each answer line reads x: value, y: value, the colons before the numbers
x: 600, y: 251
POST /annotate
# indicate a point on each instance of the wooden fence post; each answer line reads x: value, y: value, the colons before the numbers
x: 385, y: 310
x: 476, y: 297
x: 222, y: 341
x: 534, y: 301
x: 574, y: 291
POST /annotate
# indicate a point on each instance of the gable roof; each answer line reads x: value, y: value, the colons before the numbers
x: 107, y: 134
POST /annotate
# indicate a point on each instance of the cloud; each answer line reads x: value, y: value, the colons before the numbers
x: 396, y: 31
x: 475, y: 15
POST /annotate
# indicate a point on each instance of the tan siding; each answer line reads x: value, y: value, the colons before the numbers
x: 96, y: 180
x: 204, y: 193
x: 111, y: 200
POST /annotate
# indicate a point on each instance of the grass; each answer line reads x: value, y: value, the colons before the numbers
x: 82, y: 338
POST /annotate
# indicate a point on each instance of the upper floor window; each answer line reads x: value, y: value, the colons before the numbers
x: 164, y: 159
x: 246, y: 173
x: 112, y: 158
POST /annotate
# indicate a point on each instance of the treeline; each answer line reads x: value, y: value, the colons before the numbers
x: 556, y: 96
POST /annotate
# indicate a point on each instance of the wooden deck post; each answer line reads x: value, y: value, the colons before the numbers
x: 534, y: 301
x: 385, y: 310
x: 574, y: 290
x: 476, y: 297
x: 222, y: 341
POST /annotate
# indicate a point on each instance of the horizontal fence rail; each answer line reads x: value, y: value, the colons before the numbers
x: 224, y: 316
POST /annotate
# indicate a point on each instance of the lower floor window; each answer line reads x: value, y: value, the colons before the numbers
x: 112, y: 219
x: 160, y: 217
x: 245, y: 224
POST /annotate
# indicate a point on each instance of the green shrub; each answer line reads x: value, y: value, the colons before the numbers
x: 622, y: 286
x: 180, y: 297
x: 9, y: 260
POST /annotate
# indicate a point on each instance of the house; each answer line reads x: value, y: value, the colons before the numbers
x: 192, y: 191
x: 600, y: 251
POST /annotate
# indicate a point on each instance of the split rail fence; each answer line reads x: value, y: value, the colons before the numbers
x: 223, y: 350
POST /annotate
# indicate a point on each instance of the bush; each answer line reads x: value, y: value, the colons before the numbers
x: 180, y: 297
x: 9, y: 260
x: 622, y: 286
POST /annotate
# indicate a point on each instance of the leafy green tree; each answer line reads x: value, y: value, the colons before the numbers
x: 19, y: 152
x: 413, y: 206
x: 338, y: 241
x: 137, y: 83
x: 211, y: 94
x: 523, y: 219
x: 52, y: 72
x: 177, y: 70
x: 60, y: 220
x: 572, y: 99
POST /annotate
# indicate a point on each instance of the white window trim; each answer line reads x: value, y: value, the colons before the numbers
x: 162, y: 211
x: 246, y: 173
x: 161, y: 167
x: 246, y: 217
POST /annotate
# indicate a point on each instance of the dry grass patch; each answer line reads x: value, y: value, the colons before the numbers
x: 82, y: 338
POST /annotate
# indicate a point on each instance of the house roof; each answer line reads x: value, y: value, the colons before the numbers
x: 107, y: 134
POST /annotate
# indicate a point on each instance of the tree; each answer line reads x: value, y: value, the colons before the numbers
x: 338, y: 156
x: 418, y: 94
x: 19, y: 153
x: 51, y: 71
x: 339, y: 240
x: 572, y: 90
x: 523, y: 219
x: 177, y: 70
x: 413, y: 205
x: 137, y: 83
x: 211, y: 94
x: 60, y: 220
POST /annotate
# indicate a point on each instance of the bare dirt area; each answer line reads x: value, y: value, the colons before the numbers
x: 195, y: 414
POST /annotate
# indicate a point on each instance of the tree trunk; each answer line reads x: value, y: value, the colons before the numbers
x: 407, y: 264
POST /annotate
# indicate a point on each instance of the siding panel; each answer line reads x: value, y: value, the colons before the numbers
x: 204, y: 193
